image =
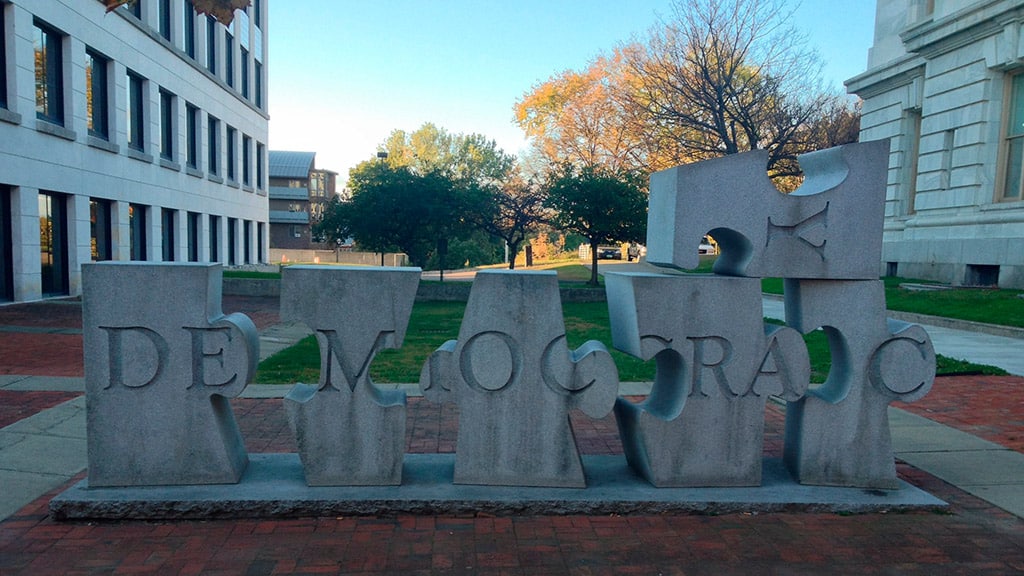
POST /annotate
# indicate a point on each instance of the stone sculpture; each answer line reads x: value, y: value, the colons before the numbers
x: 717, y: 363
x: 161, y: 362
x: 349, y: 431
x: 515, y: 380
x: 831, y: 227
x: 838, y: 434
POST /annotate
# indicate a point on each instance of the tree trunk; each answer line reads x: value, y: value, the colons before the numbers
x: 513, y: 251
x: 593, y: 262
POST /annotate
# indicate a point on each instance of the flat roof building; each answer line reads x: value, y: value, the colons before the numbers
x: 138, y: 134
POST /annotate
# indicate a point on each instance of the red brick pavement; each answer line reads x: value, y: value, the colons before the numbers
x: 972, y: 538
x: 15, y: 405
x: 990, y: 407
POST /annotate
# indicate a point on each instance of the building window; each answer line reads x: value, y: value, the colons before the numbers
x: 245, y: 73
x: 6, y: 244
x: 191, y: 136
x: 168, y: 113
x: 165, y: 19
x: 247, y: 242
x: 99, y: 230
x: 211, y: 45
x: 232, y: 155
x: 137, y: 231
x: 912, y: 134
x: 232, y: 240
x: 135, y: 122
x: 229, y: 59
x: 167, y: 218
x: 258, y: 88
x: 257, y: 13
x: 213, y: 144
x: 259, y: 166
x: 97, y: 100
x: 53, y: 243
x: 3, y: 59
x: 49, y: 74
x: 246, y: 161
x: 1013, y: 159
x: 259, y: 242
x: 193, y: 237
x: 214, y: 238
x: 189, y: 29
x: 135, y: 8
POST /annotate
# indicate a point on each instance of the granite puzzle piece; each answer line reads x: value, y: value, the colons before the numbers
x: 830, y: 227
x: 161, y: 362
x: 514, y: 379
x: 838, y: 434
x: 717, y: 363
x: 349, y: 431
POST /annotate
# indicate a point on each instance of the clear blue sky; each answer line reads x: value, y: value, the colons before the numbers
x: 345, y: 73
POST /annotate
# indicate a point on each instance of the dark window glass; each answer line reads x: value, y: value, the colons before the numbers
x: 232, y: 233
x: 259, y: 241
x: 232, y: 155
x: 258, y: 88
x: 135, y: 122
x: 247, y: 242
x: 137, y: 231
x: 99, y: 229
x: 169, y: 237
x: 229, y: 59
x: 167, y: 135
x: 214, y: 238
x: 192, y: 136
x: 245, y: 73
x: 259, y: 165
x: 165, y: 19
x: 193, y: 237
x: 246, y: 161
x: 189, y: 29
x: 53, y: 243
x: 3, y: 62
x: 49, y: 70
x: 6, y: 245
x: 257, y: 13
x: 211, y: 45
x: 213, y: 145
x: 97, y: 101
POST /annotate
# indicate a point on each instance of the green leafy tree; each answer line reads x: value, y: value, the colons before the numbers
x: 599, y: 204
x: 511, y: 211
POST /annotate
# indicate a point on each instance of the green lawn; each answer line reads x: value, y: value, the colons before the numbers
x: 991, y: 306
x: 432, y: 323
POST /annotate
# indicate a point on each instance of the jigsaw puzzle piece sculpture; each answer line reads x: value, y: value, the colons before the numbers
x: 349, y: 431
x: 161, y: 362
x: 838, y: 434
x: 717, y: 363
x: 515, y: 380
x: 830, y: 227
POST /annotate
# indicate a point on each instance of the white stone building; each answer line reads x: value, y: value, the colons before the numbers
x: 945, y: 81
x: 137, y: 134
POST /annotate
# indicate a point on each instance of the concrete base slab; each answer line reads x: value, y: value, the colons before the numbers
x: 274, y: 486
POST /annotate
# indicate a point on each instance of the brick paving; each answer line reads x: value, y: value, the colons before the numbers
x: 15, y: 405
x: 990, y: 407
x: 972, y: 537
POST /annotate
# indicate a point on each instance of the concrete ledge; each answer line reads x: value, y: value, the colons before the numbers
x: 274, y: 486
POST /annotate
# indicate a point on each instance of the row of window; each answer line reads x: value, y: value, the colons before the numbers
x: 55, y: 243
x: 49, y: 91
x: 187, y: 29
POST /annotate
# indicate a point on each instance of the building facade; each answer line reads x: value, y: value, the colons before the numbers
x: 945, y: 81
x: 299, y: 193
x: 138, y: 134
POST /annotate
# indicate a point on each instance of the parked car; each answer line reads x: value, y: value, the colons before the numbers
x: 609, y: 252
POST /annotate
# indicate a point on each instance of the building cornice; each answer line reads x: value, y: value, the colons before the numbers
x: 892, y: 75
x: 961, y: 28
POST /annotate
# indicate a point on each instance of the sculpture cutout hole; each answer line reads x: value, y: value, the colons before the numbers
x: 734, y: 252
